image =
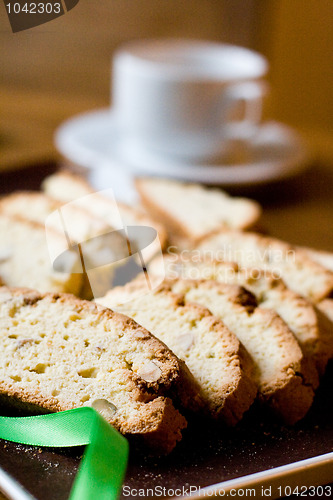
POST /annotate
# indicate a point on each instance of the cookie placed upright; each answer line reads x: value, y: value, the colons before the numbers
x: 58, y: 353
x: 25, y: 259
x: 192, y: 211
x: 312, y: 329
x: 36, y: 206
x: 325, y: 259
x: 300, y: 273
x: 281, y: 373
x: 321, y: 256
x: 66, y: 187
x: 100, y: 246
x: 219, y: 363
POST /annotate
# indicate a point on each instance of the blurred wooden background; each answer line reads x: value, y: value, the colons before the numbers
x: 61, y: 68
x: 58, y: 69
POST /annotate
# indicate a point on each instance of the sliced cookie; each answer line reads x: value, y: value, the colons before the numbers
x: 26, y: 257
x: 58, y: 352
x: 213, y: 354
x: 300, y: 273
x: 192, y: 211
x: 281, y: 373
x: 66, y: 186
x: 312, y: 329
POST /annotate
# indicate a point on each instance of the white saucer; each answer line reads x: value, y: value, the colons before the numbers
x: 276, y: 152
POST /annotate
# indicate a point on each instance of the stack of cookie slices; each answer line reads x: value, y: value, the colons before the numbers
x: 238, y: 317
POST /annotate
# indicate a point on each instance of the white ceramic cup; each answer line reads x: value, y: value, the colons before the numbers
x: 177, y: 97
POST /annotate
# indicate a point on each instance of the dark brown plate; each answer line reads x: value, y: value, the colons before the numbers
x: 208, y: 454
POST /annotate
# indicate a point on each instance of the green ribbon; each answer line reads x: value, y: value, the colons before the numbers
x: 103, y: 466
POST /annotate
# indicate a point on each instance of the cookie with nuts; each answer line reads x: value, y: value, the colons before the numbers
x: 214, y: 355
x: 59, y: 352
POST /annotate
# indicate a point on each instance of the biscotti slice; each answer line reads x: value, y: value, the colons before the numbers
x: 65, y: 186
x: 58, y: 353
x: 300, y: 273
x: 325, y: 259
x: 326, y: 306
x: 283, y: 379
x: 193, y: 211
x: 36, y: 206
x: 25, y: 259
x: 322, y: 257
x: 313, y: 330
x: 212, y: 353
x: 78, y: 226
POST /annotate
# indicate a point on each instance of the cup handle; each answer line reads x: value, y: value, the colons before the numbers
x: 251, y: 94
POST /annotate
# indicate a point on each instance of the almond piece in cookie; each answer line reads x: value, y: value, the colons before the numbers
x: 58, y: 352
